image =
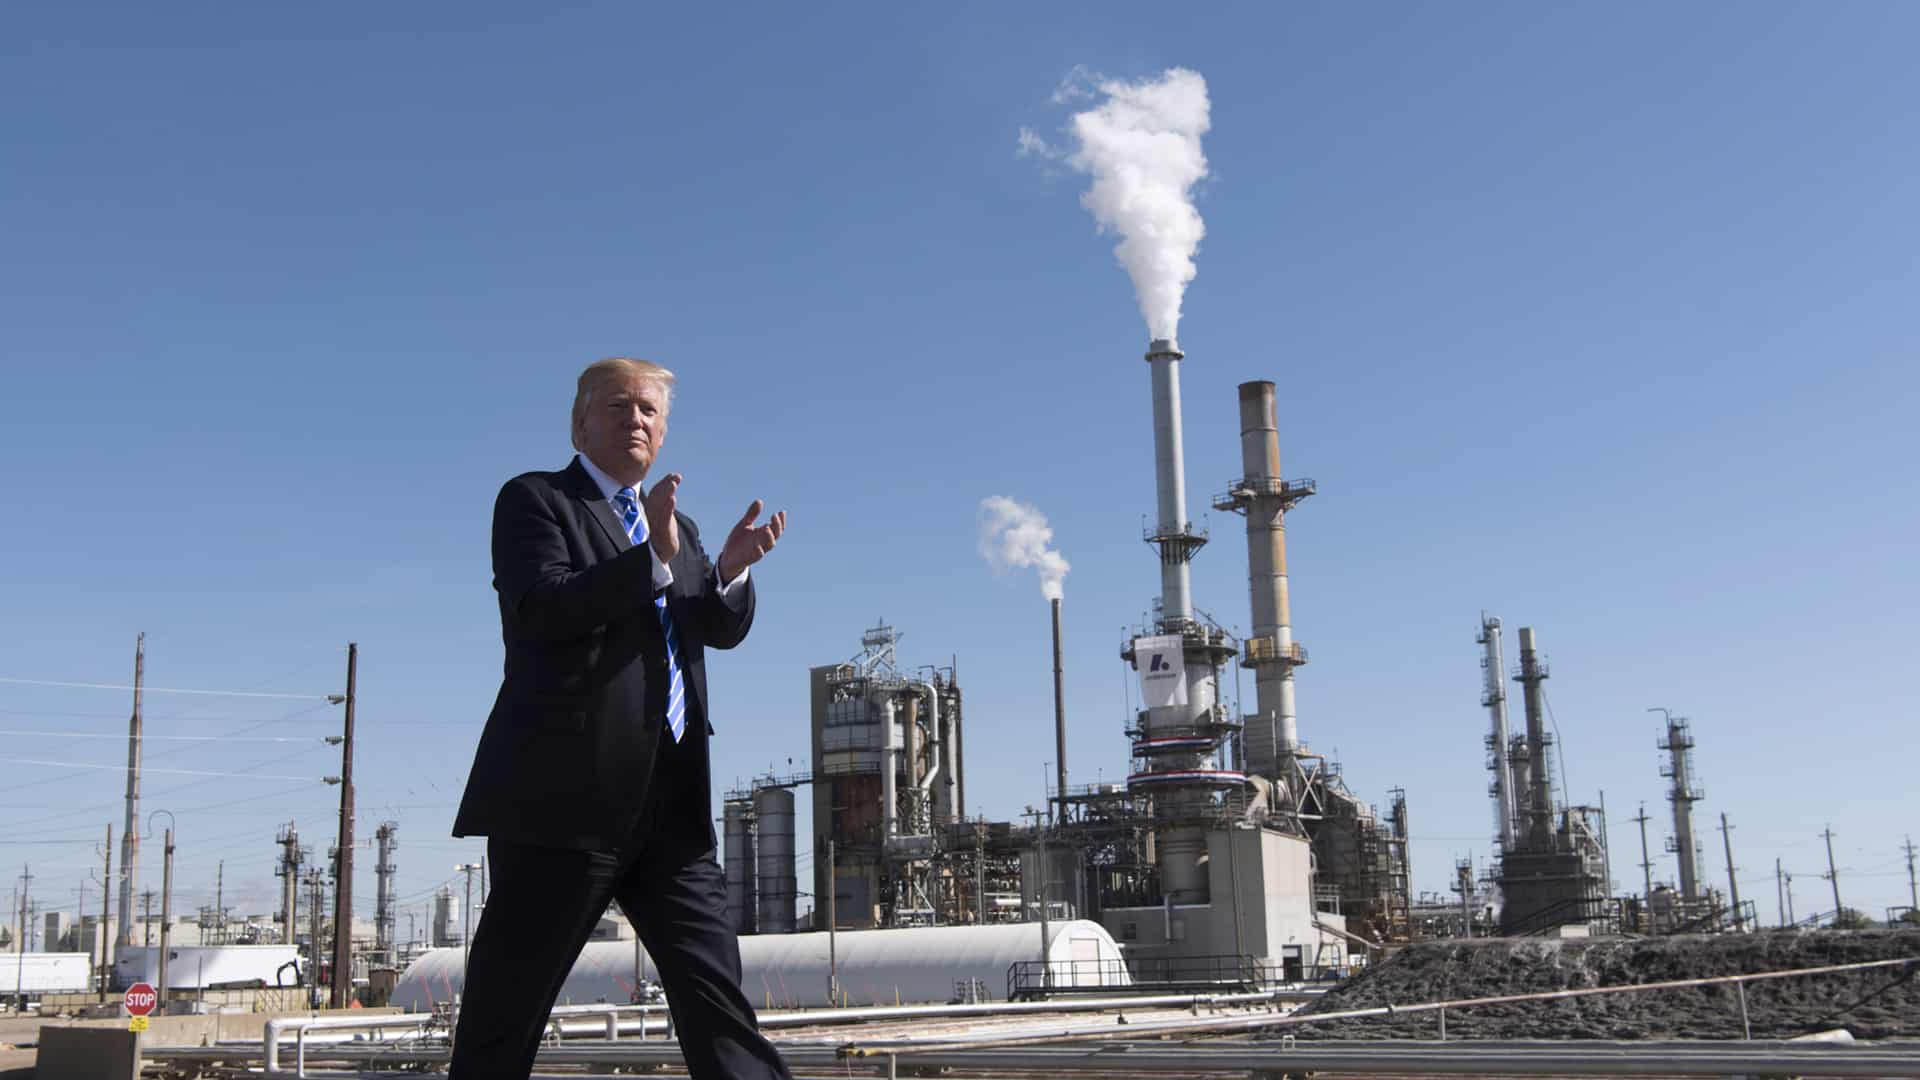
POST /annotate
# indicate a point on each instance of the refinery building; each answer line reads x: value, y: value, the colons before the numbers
x: 1231, y: 844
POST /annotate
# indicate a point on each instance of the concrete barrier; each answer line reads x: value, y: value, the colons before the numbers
x: 208, y: 1029
x: 85, y: 1052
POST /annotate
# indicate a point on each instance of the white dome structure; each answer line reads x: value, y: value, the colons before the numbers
x: 918, y: 965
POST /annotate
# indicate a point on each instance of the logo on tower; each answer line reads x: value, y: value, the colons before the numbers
x: 1163, y: 670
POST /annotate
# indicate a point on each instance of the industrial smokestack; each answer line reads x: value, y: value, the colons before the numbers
x: 1272, y: 735
x: 1059, y: 723
x: 1173, y: 534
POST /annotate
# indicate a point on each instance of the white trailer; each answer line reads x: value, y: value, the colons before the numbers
x: 35, y: 973
x: 210, y: 967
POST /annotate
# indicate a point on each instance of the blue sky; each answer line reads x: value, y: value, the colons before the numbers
x: 1594, y: 317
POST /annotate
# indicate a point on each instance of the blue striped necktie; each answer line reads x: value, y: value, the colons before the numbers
x: 636, y: 523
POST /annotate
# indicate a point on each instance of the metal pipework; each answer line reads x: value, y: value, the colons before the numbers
x: 889, y: 762
x: 1539, y: 792
x: 1170, y: 481
x: 925, y: 782
x: 948, y: 791
x: 910, y: 732
x: 1495, y: 699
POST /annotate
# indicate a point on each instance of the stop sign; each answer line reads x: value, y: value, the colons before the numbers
x: 141, y: 999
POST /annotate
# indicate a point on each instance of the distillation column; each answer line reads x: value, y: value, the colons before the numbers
x: 1539, y: 789
x: 1272, y: 733
x: 1683, y: 794
x: 1494, y: 697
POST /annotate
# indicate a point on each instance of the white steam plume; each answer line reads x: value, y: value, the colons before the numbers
x: 1013, y: 534
x: 1141, y: 146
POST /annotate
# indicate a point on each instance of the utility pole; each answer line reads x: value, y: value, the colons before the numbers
x: 1040, y: 889
x: 1833, y: 875
x: 106, y: 921
x: 1780, y: 891
x: 20, y: 964
x: 219, y: 902
x: 833, y: 927
x: 1046, y: 969
x: 146, y: 920
x: 343, y: 876
x: 1733, y: 882
x: 130, y: 838
x: 166, y: 915
x: 1646, y: 862
x: 1913, y: 890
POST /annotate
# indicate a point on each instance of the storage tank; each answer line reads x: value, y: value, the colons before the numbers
x: 738, y: 862
x: 773, y: 810
x: 917, y: 965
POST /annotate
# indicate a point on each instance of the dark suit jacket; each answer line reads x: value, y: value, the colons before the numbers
x: 569, y: 749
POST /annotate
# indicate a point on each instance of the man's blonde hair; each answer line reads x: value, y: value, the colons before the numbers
x: 601, y: 372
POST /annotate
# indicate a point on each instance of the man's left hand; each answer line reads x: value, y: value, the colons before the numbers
x: 747, y: 543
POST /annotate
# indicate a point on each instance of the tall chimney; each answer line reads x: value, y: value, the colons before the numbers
x: 1173, y: 534
x: 1059, y: 723
x: 1272, y: 734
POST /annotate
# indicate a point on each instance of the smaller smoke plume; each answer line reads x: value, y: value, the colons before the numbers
x: 1015, y: 535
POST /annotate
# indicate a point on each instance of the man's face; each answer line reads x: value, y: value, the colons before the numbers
x: 625, y: 424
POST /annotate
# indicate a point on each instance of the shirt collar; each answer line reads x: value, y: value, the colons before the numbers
x: 609, y: 487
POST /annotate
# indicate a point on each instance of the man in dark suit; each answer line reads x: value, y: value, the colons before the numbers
x: 591, y: 780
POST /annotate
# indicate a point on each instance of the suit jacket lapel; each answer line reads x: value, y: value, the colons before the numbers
x: 598, y: 508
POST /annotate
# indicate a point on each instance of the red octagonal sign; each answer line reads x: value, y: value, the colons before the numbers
x: 141, y: 999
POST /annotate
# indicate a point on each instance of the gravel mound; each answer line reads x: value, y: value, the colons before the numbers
x: 1874, y: 1004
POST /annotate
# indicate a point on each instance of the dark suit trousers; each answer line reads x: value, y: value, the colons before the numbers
x: 543, y: 907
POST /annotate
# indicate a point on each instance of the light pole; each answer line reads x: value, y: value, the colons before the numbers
x: 466, y: 923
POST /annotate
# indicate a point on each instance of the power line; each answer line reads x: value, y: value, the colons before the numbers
x: 145, y: 737
x: 297, y: 713
x: 164, y: 690
x: 246, y: 771
x: 174, y: 772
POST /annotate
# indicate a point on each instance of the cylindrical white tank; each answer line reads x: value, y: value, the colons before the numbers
x: 773, y: 810
x: 738, y: 862
x: 916, y: 965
